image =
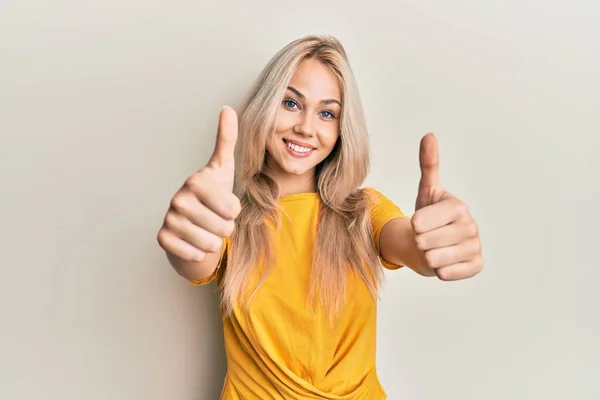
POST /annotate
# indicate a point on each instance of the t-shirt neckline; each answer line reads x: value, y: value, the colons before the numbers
x: 298, y: 196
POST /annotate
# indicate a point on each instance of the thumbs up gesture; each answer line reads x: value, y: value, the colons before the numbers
x: 444, y: 229
x: 203, y: 210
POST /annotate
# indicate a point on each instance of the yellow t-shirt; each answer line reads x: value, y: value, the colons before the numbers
x: 279, y: 349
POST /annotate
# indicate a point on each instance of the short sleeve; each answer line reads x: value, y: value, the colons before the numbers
x: 221, y: 263
x: 382, y: 210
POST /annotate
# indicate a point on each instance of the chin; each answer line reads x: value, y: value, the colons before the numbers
x: 295, y: 169
x: 299, y: 171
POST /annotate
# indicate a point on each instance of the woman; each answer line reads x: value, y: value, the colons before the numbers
x: 296, y: 246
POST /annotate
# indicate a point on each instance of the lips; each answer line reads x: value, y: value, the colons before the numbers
x: 300, y: 144
x: 298, y: 149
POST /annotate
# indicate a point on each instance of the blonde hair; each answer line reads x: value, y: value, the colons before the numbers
x: 344, y: 239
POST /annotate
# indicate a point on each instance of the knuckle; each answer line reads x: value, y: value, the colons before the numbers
x: 193, y: 254
x: 161, y: 238
x: 195, y: 183
x: 444, y: 274
x: 233, y: 207
x: 416, y: 223
x: 179, y: 202
x: 472, y: 229
x: 165, y: 240
x: 430, y: 258
x: 421, y: 242
x: 197, y: 256
x: 193, y: 179
x: 214, y: 245
x: 462, y: 208
x: 170, y: 220
x: 477, y: 246
x: 228, y: 228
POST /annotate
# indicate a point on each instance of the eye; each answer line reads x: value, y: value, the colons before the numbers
x: 327, y: 114
x: 290, y: 103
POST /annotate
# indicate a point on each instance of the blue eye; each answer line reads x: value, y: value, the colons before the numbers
x: 289, y: 103
x: 327, y: 114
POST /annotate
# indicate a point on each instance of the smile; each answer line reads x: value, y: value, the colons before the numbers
x: 297, y: 150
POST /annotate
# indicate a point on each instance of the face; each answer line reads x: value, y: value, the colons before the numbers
x: 307, y: 127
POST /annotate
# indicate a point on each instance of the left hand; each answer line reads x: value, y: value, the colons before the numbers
x: 444, y: 229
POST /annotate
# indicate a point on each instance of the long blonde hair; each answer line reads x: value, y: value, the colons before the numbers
x: 344, y: 239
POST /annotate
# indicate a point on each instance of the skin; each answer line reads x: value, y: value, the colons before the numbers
x: 309, y: 114
x: 440, y: 239
x: 202, y: 212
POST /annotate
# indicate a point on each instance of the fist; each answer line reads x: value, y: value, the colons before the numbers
x: 204, y: 209
x: 445, y: 232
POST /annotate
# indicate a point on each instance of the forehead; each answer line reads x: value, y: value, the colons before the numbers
x: 316, y: 81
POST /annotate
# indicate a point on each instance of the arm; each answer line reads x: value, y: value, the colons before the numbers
x: 442, y: 238
x: 398, y: 246
x: 196, y: 271
x: 202, y: 213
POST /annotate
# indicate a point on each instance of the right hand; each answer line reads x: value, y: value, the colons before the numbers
x: 203, y: 210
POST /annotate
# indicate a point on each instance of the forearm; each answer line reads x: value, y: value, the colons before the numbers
x: 398, y: 246
x: 195, y: 270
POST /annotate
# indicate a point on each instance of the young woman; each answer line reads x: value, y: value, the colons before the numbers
x: 297, y: 247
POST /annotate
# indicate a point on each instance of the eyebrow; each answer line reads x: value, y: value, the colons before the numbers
x: 324, y: 101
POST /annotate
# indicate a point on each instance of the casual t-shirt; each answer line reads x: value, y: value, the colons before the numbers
x: 278, y: 348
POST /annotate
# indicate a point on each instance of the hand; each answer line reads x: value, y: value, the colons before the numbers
x: 203, y: 210
x: 444, y: 230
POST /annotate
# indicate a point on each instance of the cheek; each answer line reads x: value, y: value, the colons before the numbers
x: 329, y: 137
x: 285, y: 123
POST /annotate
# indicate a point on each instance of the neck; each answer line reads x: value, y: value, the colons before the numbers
x: 293, y: 183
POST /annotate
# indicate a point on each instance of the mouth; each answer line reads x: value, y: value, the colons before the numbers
x: 298, y: 150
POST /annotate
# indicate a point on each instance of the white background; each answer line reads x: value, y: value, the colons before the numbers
x: 107, y: 106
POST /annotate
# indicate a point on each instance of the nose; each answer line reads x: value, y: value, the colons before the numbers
x: 305, y: 125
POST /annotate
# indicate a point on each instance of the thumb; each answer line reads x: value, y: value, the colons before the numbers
x: 429, y: 161
x: 226, y: 138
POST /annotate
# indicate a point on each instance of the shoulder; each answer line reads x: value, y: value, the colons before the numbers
x: 381, y: 208
x: 375, y: 198
x: 370, y: 191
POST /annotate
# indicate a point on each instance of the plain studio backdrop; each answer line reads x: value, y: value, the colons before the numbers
x: 107, y: 106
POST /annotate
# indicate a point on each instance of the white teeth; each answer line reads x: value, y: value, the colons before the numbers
x: 297, y: 148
